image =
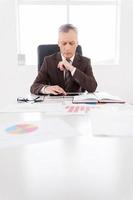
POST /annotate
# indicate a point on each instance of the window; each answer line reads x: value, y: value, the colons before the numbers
x: 97, y: 23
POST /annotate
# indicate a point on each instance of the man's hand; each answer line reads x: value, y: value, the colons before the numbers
x: 65, y: 65
x: 55, y: 89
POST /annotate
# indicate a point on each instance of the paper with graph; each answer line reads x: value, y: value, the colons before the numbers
x: 27, y: 128
x: 112, y: 121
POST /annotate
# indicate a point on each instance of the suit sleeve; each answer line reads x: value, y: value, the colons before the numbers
x: 84, y: 76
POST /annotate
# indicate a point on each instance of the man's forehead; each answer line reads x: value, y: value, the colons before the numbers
x: 67, y: 37
x: 70, y: 33
x: 68, y: 41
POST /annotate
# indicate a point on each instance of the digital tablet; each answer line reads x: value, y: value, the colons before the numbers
x: 68, y: 94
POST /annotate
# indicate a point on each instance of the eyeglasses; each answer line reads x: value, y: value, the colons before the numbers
x: 26, y: 100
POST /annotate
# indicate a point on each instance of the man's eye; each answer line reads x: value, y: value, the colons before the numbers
x: 63, y: 44
x: 71, y: 43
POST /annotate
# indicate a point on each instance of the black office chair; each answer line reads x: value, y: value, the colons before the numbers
x: 48, y: 49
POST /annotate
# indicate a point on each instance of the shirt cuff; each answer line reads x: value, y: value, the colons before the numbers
x: 43, y: 91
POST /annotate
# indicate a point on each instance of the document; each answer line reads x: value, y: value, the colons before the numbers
x: 112, y: 120
x: 97, y: 97
x: 33, y: 128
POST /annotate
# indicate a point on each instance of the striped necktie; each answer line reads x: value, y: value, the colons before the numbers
x: 67, y: 78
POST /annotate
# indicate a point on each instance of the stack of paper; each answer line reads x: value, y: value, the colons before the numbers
x: 112, y: 120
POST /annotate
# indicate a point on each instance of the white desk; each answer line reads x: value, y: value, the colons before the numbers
x: 74, y: 167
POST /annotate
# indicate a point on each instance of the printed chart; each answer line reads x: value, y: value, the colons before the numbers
x: 77, y: 109
x: 21, y: 128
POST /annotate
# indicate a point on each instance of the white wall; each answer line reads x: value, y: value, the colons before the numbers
x: 8, y: 66
x: 118, y: 80
x: 15, y: 81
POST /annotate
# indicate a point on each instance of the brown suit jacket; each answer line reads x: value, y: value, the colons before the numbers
x: 83, y: 78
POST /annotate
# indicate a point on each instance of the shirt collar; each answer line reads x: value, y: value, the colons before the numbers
x: 72, y: 58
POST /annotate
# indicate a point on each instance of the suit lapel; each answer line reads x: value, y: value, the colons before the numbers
x: 77, y: 61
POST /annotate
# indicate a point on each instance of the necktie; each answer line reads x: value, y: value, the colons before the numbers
x: 67, y: 78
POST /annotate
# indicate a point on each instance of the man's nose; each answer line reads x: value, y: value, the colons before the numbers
x: 68, y: 46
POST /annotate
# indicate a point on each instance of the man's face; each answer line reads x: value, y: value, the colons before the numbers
x: 68, y: 43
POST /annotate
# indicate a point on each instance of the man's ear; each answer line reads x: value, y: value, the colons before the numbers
x: 58, y: 43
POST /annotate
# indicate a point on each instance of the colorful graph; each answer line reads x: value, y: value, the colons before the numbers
x: 21, y: 128
x: 77, y: 109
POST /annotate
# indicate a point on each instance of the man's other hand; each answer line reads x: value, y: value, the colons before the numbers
x: 65, y: 65
x: 55, y: 89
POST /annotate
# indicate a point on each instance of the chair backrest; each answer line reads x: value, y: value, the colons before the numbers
x: 48, y: 49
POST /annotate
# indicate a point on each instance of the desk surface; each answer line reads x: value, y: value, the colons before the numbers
x: 69, y: 165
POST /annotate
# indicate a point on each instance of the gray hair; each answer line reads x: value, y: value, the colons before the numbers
x: 66, y: 27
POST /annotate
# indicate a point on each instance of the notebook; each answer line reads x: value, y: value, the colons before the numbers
x: 97, y: 97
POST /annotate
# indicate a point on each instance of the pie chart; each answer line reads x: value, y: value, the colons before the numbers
x: 21, y: 128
